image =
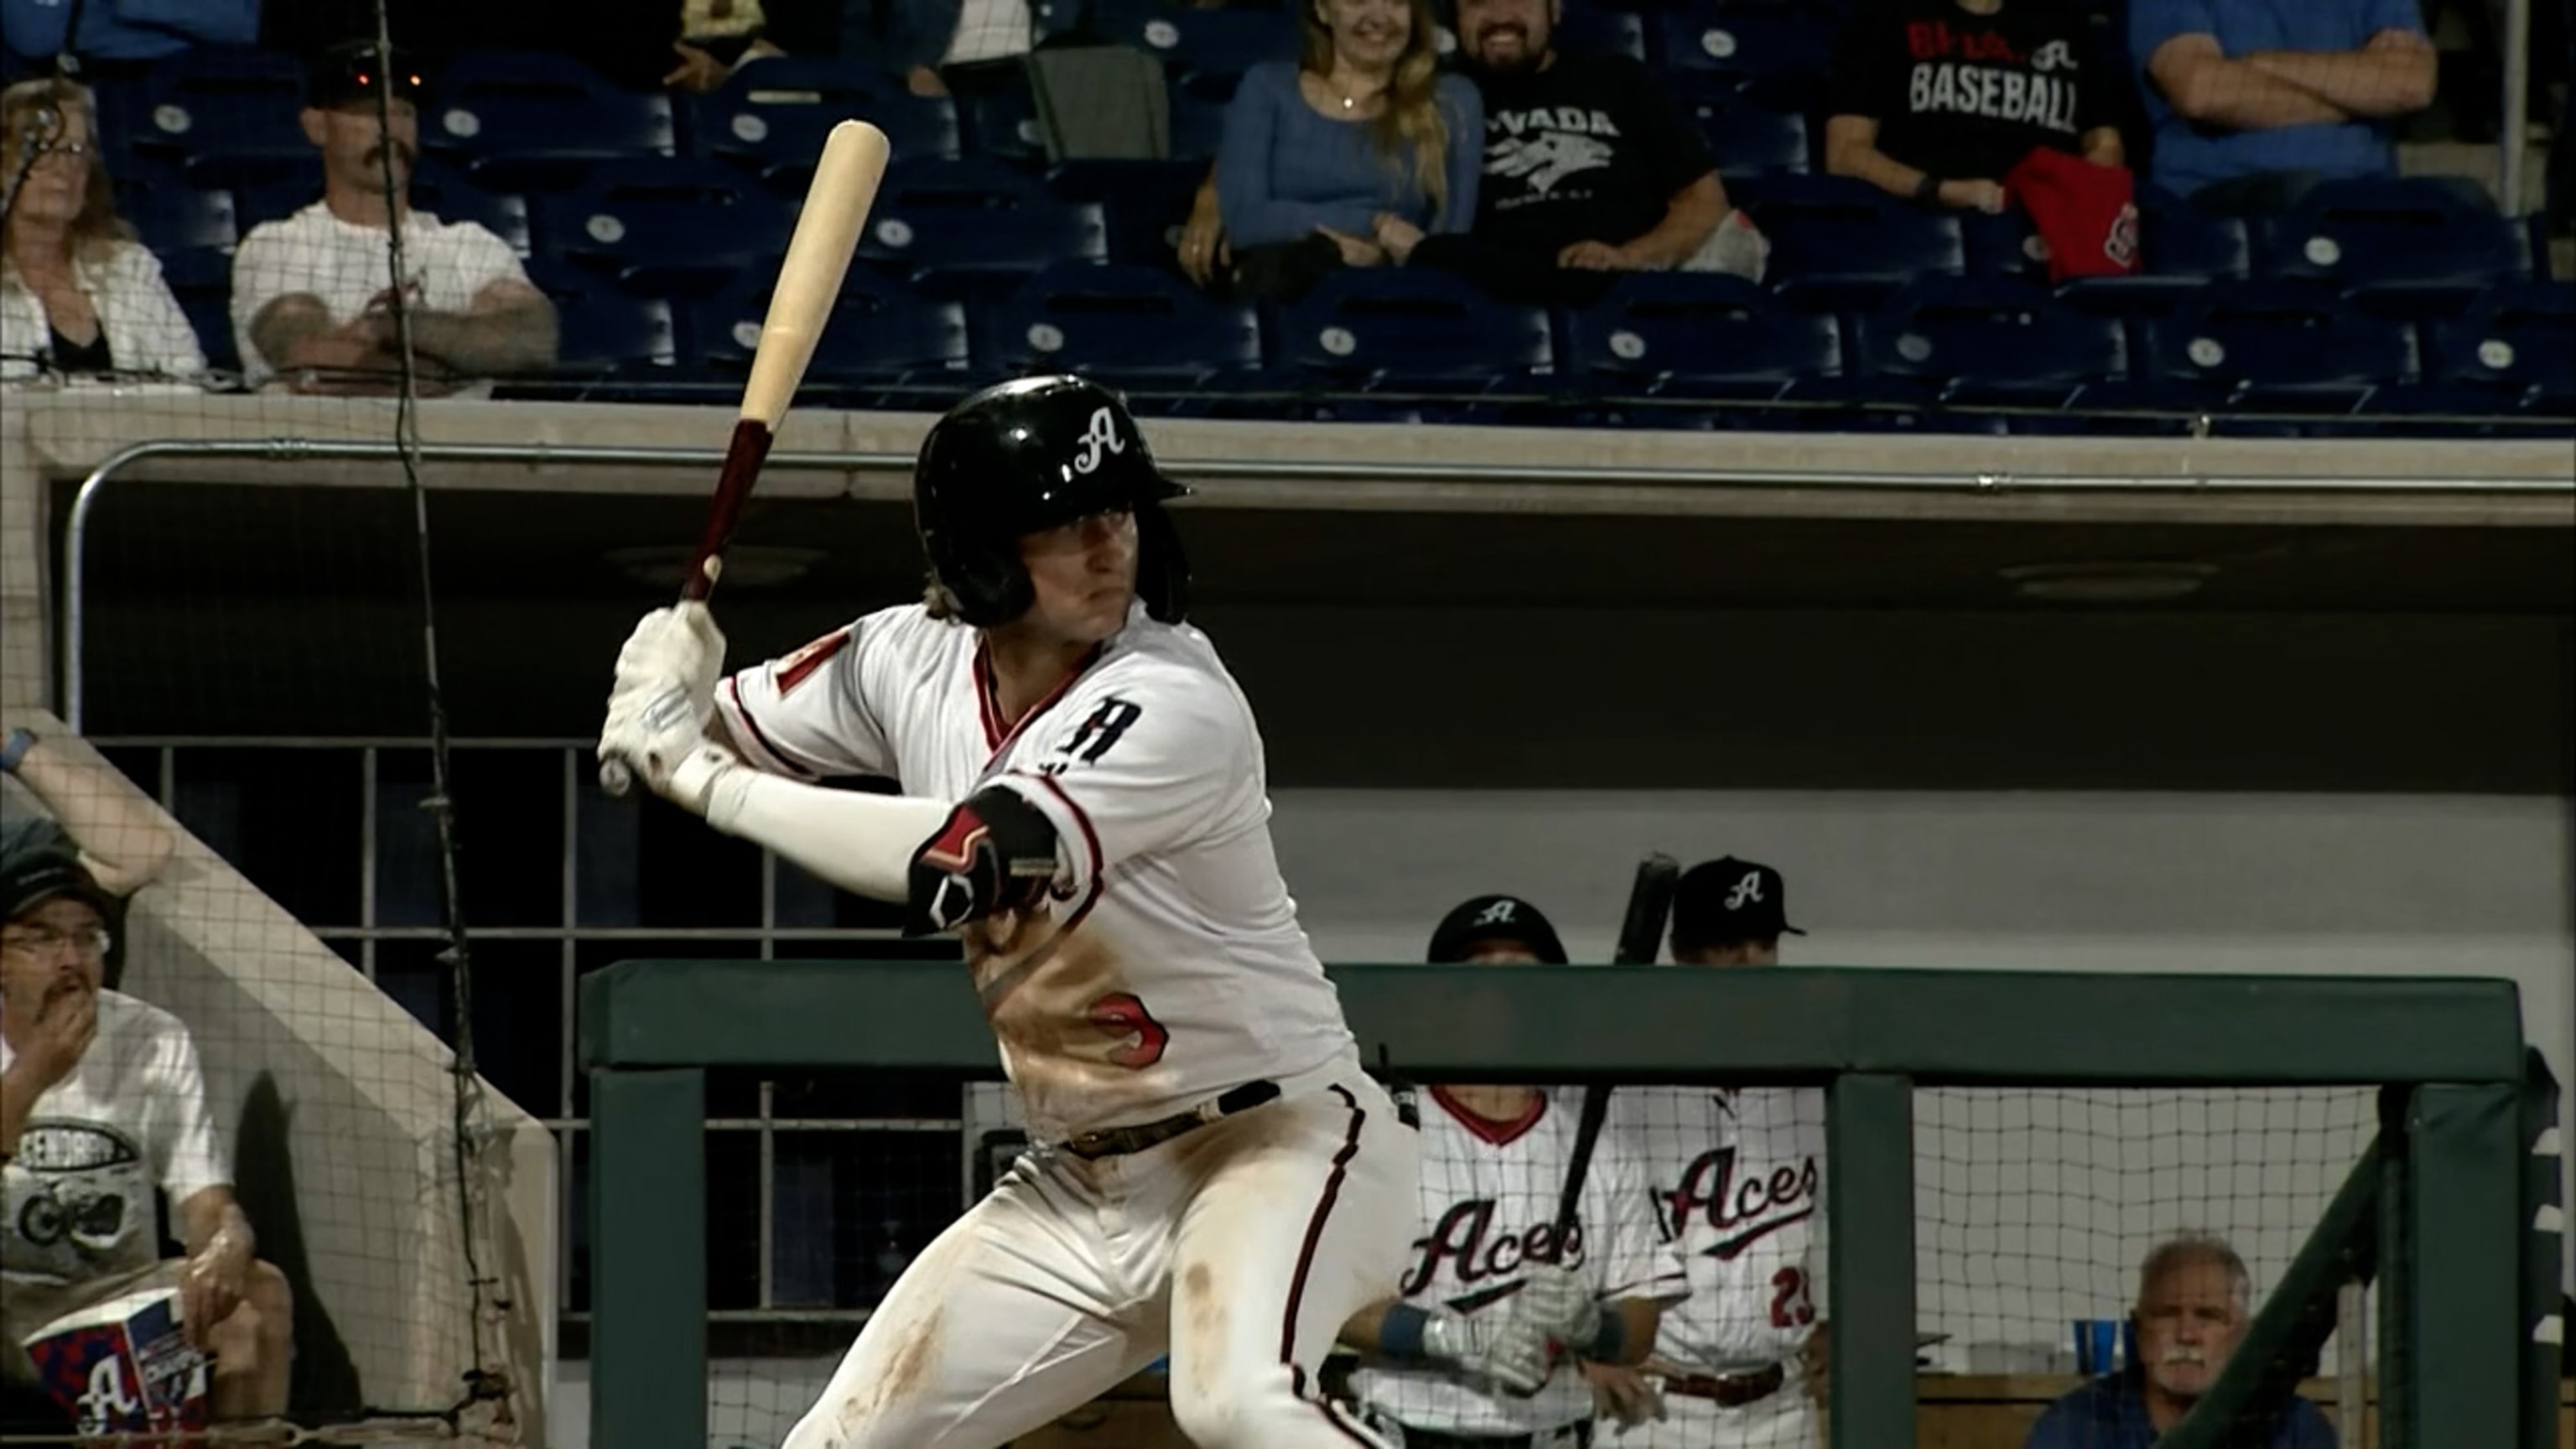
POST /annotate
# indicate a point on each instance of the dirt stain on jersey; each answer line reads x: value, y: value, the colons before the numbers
x: 1059, y: 1052
x: 1203, y: 1320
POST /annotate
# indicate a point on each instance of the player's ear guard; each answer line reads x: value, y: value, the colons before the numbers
x: 996, y: 853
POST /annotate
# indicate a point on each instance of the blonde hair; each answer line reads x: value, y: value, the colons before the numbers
x: 97, y: 228
x: 1411, y: 119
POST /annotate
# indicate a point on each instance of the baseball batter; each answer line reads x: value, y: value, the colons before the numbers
x: 1739, y: 1176
x: 1083, y: 802
x: 1476, y: 1348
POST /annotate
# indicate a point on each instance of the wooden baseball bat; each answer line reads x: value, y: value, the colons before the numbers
x: 809, y: 282
x: 1650, y: 900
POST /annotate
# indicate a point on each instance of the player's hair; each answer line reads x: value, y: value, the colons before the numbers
x: 2184, y: 1249
x: 938, y: 602
x: 97, y: 228
x: 1411, y: 118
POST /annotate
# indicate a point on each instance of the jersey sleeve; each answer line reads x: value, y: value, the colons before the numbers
x: 186, y: 1158
x: 809, y: 714
x: 1137, y: 766
x: 1637, y: 1260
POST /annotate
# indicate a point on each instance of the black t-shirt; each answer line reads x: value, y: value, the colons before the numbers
x: 1966, y: 96
x: 1588, y: 149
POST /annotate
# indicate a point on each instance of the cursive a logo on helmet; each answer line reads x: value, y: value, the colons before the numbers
x: 1098, y: 441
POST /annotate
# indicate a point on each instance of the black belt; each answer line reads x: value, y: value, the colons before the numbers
x: 1434, y: 1439
x: 1119, y: 1141
x: 1730, y: 1390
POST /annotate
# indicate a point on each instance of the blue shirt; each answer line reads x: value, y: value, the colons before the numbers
x: 2111, y: 1413
x: 1284, y: 168
x: 2189, y: 157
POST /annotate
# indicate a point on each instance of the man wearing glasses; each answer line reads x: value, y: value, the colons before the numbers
x: 101, y: 1101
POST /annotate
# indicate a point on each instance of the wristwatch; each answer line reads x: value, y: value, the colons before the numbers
x: 1928, y: 190
x: 20, y: 741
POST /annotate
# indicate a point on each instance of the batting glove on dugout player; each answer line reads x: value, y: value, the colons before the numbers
x: 1503, y: 1345
x: 665, y: 690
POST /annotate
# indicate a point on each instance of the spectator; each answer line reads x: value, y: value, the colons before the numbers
x: 310, y: 299
x: 2254, y: 103
x: 1740, y: 1173
x: 77, y: 293
x: 101, y: 1101
x: 1465, y: 1352
x: 1589, y: 170
x: 1939, y: 100
x: 123, y: 36
x: 967, y: 48
x: 2194, y: 1297
x: 716, y: 38
x: 120, y: 839
x: 1349, y: 156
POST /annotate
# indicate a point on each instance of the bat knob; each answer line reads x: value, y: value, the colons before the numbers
x: 614, y: 777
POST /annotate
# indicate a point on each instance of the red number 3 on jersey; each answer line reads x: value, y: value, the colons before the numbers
x: 1123, y: 1015
x: 1790, y: 1305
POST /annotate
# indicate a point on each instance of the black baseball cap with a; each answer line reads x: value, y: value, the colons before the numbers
x: 30, y: 878
x: 1730, y: 900
x: 1495, y: 918
x: 350, y: 73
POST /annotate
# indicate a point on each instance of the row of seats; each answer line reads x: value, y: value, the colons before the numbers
x: 1990, y: 342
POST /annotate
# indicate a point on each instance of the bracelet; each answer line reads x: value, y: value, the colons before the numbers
x: 1928, y: 190
x: 20, y: 742
x: 1611, y: 1343
x: 1399, y: 1334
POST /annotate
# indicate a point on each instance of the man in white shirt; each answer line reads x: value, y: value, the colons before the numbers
x: 314, y: 299
x: 101, y: 1101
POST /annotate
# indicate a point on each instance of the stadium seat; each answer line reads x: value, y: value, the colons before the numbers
x: 2275, y: 346
x: 533, y: 122
x: 1198, y: 105
x: 1988, y: 341
x: 2412, y: 245
x: 201, y: 280
x: 1144, y: 204
x: 1591, y: 31
x: 1193, y: 40
x: 173, y: 218
x: 2514, y: 346
x: 2179, y: 250
x: 1778, y: 54
x: 227, y: 116
x: 975, y: 226
x: 608, y: 334
x: 879, y: 334
x: 772, y: 116
x: 1838, y: 243
x: 1749, y: 140
x: 1003, y: 126
x: 1401, y: 330
x: 1136, y: 327
x: 1698, y: 335
x: 664, y: 226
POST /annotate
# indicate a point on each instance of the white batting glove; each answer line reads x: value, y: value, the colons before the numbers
x: 665, y: 689
x: 707, y: 781
x: 1559, y: 1303
x: 1507, y: 1347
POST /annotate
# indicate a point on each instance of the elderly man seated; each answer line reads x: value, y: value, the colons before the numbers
x: 2194, y: 1300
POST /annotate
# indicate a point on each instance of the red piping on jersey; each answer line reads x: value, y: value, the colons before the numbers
x: 1306, y: 1262
x: 996, y: 738
x: 1498, y: 1133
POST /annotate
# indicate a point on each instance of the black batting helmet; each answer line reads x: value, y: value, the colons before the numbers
x: 1029, y: 455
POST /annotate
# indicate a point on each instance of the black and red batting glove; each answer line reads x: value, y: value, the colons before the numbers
x: 995, y: 854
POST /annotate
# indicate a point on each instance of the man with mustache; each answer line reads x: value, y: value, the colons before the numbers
x: 313, y: 302
x: 2194, y: 1298
x: 1590, y: 170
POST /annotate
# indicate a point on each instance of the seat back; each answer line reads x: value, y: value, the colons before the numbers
x: 878, y: 332
x: 2518, y: 339
x: 1995, y: 336
x: 529, y: 121
x: 1134, y: 324
x: 1193, y: 40
x: 964, y: 217
x: 772, y: 116
x: 2428, y: 233
x: 1777, y: 53
x: 229, y: 115
x: 1837, y: 242
x: 1704, y: 331
x: 2274, y: 338
x: 668, y: 221
x: 1397, y: 328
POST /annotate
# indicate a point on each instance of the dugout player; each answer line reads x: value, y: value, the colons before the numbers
x: 1083, y: 802
x: 1475, y: 1348
x: 1739, y: 1176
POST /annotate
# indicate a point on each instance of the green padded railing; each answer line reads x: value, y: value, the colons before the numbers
x: 2450, y: 1050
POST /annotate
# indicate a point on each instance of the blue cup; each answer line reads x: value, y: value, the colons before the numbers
x: 2096, y: 1340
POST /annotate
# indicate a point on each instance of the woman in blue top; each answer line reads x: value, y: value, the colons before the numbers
x: 1348, y: 157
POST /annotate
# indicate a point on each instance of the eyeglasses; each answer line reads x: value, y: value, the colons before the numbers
x: 39, y: 943
x: 77, y: 152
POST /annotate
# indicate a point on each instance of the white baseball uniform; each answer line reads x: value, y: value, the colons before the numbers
x: 1166, y: 969
x: 1489, y: 1196
x: 1739, y: 1177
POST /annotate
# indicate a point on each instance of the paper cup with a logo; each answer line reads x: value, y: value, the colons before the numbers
x: 122, y: 1366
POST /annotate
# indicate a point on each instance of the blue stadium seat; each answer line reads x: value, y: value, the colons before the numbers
x: 2179, y: 250
x: 1188, y: 40
x: 2413, y: 244
x: 1198, y: 105
x: 2275, y: 346
x: 201, y: 280
x: 173, y: 218
x: 608, y: 334
x: 1836, y: 242
x: 1403, y: 330
x: 1988, y: 341
x: 2515, y: 346
x: 1776, y: 53
x: 772, y: 116
x: 1698, y: 335
x: 1587, y: 30
x: 1003, y: 126
x: 1746, y: 139
x: 1136, y: 327
x: 228, y: 116
x: 1143, y: 203
x: 665, y: 225
x: 533, y: 122
x: 976, y: 227
x: 879, y: 334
